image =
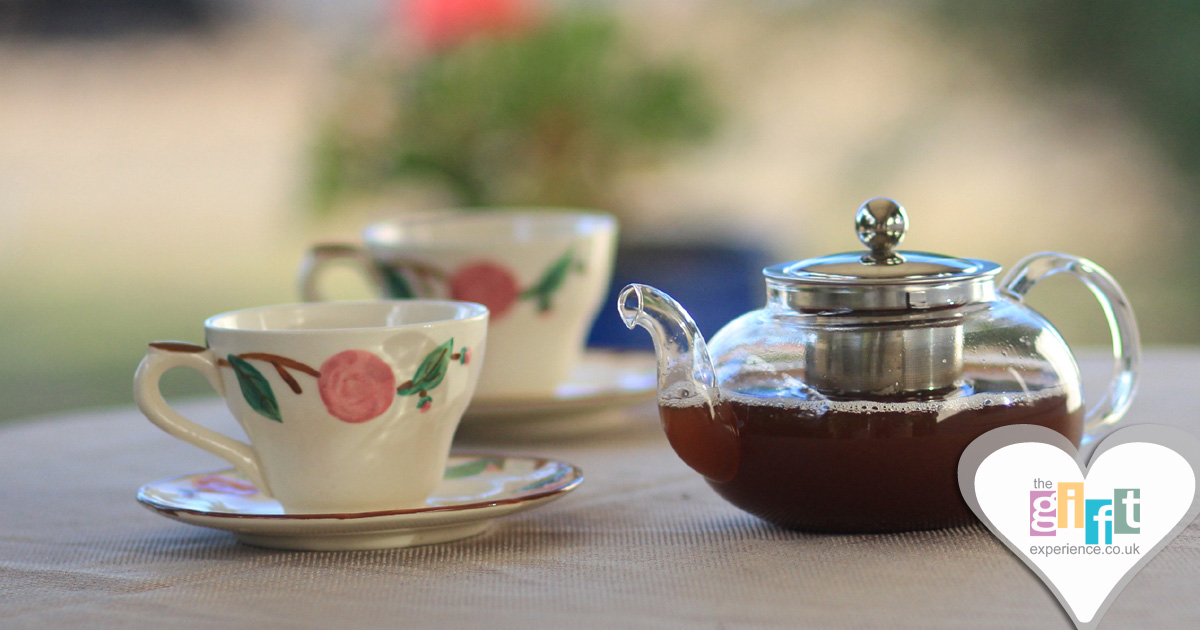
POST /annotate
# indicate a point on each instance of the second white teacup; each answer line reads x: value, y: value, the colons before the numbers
x: 349, y: 406
x: 543, y: 274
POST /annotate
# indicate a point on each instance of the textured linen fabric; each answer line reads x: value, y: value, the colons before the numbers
x: 643, y: 543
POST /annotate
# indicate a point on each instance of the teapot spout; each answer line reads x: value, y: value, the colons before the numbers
x: 699, y: 426
x: 684, y: 367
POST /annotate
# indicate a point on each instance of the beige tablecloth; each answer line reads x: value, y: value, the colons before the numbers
x: 643, y: 543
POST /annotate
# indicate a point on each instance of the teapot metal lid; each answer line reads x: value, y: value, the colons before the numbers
x: 882, y: 278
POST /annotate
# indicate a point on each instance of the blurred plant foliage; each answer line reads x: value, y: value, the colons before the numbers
x: 546, y: 116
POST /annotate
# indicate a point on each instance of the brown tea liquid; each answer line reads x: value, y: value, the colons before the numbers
x: 837, y: 466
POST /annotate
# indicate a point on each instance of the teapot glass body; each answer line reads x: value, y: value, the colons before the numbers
x: 818, y: 452
x: 844, y: 406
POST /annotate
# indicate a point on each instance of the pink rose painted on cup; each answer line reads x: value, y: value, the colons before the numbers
x: 487, y: 283
x: 356, y: 386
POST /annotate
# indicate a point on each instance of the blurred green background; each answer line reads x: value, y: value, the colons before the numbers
x: 161, y: 162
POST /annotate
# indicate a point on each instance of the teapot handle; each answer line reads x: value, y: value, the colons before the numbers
x: 1126, y: 346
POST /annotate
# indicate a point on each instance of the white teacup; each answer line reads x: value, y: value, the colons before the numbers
x: 543, y: 275
x: 349, y: 406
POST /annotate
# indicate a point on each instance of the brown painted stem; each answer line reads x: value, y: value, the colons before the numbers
x: 279, y: 363
x: 287, y: 378
x: 284, y: 361
x: 421, y: 268
x: 425, y: 274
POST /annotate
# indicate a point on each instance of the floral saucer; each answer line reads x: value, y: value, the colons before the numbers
x: 603, y: 380
x: 475, y: 490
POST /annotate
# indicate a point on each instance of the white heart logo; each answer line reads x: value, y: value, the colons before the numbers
x: 1084, y: 530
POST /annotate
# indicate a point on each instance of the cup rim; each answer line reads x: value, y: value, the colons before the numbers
x: 458, y: 311
x: 384, y: 231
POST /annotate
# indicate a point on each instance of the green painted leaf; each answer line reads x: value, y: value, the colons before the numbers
x: 397, y: 285
x: 552, y: 279
x: 255, y: 388
x: 471, y: 468
x: 431, y: 371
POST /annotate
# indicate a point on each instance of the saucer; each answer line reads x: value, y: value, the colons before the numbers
x: 603, y: 380
x: 476, y: 489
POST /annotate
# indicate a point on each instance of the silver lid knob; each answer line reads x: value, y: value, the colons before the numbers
x: 880, y: 224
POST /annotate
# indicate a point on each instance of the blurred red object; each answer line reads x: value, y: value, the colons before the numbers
x: 440, y: 24
x: 486, y: 283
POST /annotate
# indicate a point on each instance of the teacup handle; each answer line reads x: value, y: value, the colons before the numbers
x: 1126, y: 347
x: 319, y: 256
x: 164, y: 355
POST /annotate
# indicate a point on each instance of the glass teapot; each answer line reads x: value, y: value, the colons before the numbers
x: 844, y: 404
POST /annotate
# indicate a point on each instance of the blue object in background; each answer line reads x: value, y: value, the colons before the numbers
x: 715, y: 283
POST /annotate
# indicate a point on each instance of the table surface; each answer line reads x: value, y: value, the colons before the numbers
x: 642, y: 543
